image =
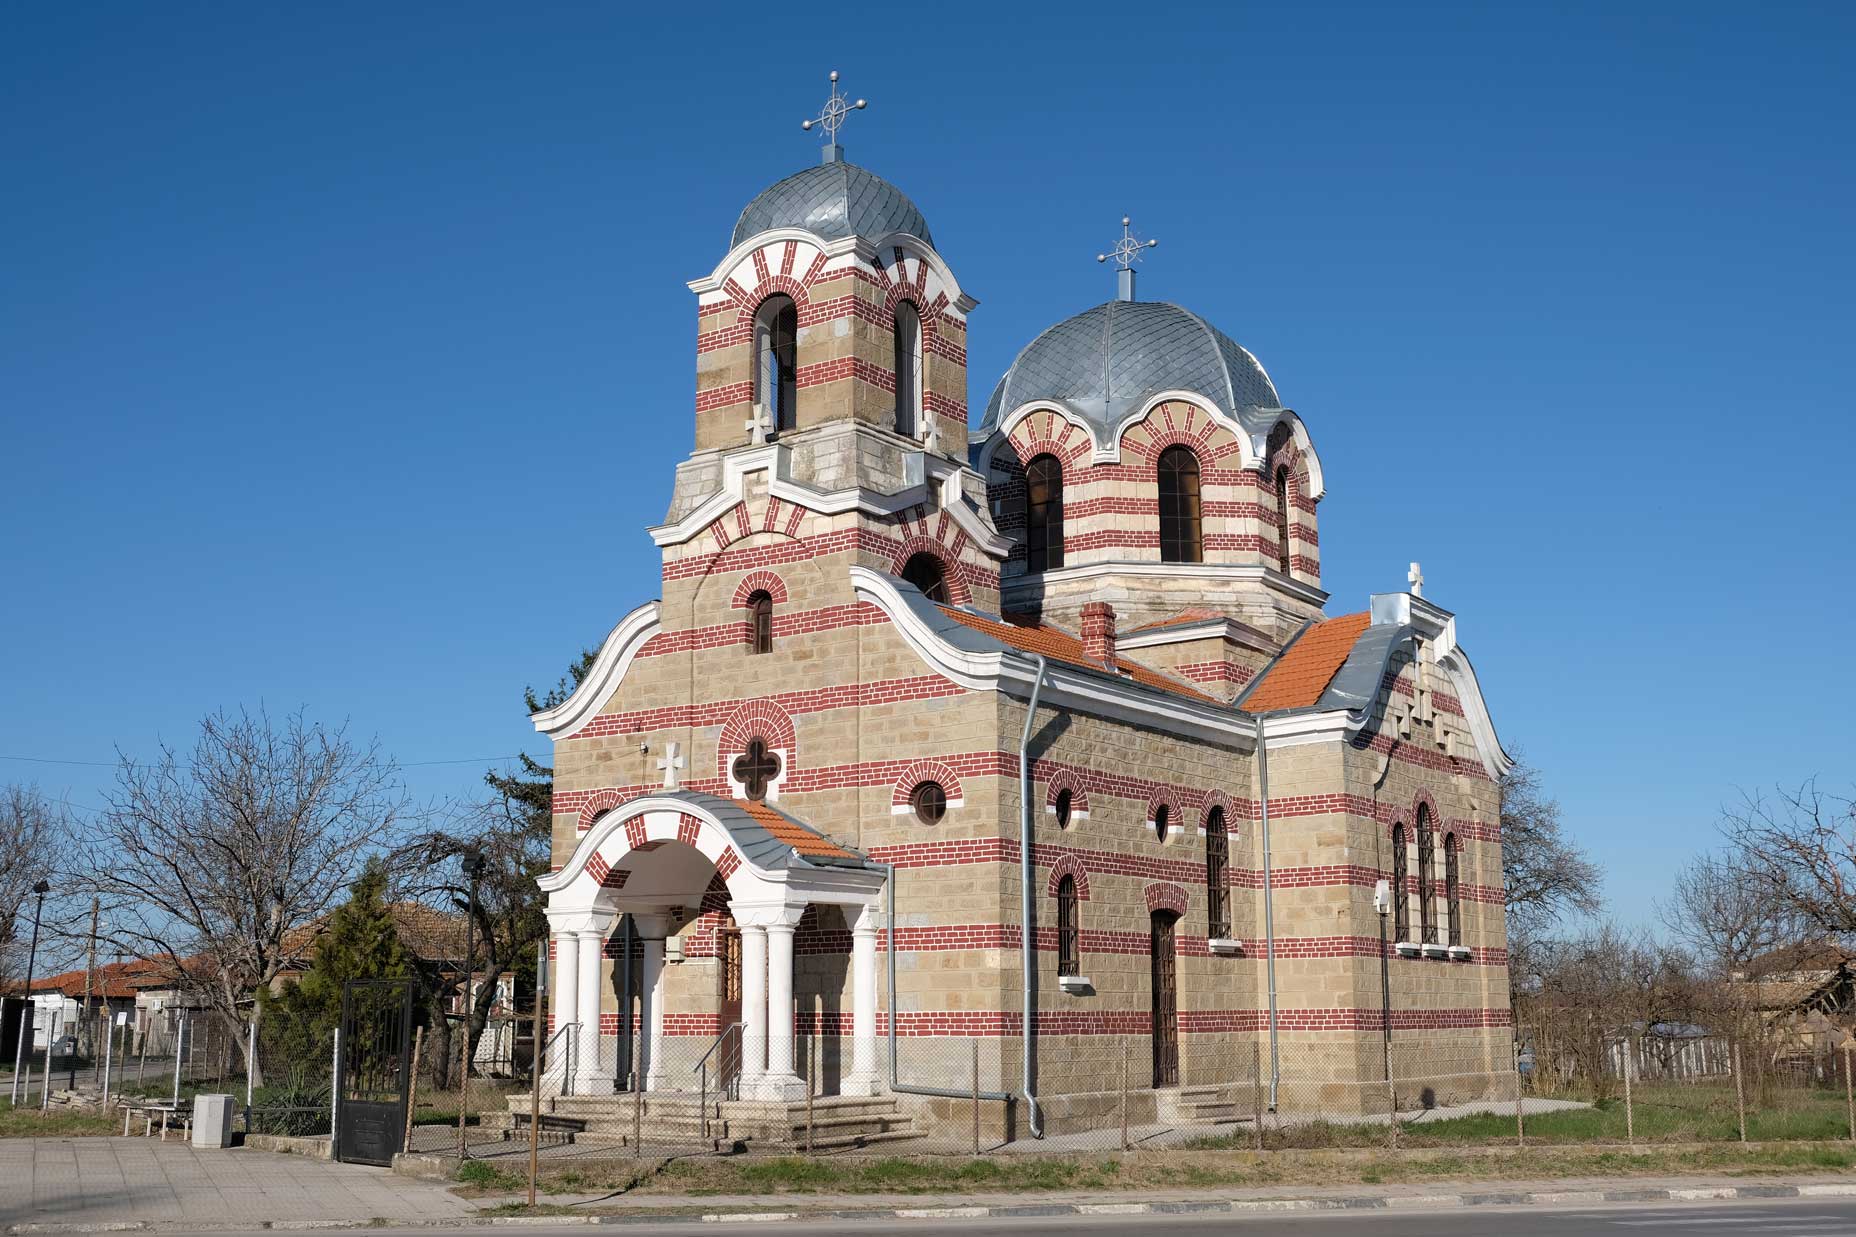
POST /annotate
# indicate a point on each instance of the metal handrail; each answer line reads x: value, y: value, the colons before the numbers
x: 567, y: 1074
x: 702, y: 1065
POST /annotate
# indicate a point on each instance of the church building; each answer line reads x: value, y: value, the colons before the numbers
x: 1013, y: 747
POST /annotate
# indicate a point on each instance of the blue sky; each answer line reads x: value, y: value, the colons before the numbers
x: 345, y: 350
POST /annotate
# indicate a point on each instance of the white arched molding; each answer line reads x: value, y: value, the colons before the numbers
x: 1109, y: 451
x: 1317, y: 482
x: 565, y: 719
x: 840, y: 253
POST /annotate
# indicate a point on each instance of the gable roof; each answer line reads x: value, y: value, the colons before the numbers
x: 1301, y: 673
x: 1060, y: 645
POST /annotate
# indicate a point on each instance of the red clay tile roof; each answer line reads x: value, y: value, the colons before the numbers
x: 1297, y: 678
x: 794, y: 834
x: 113, y: 980
x: 1059, y: 645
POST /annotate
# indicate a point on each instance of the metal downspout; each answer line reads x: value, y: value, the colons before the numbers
x: 1027, y: 947
x: 1269, y: 907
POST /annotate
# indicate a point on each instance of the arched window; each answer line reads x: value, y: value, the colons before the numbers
x: 1282, y: 518
x: 929, y: 799
x: 1065, y: 801
x: 1043, y: 514
x: 925, y: 572
x: 1069, y: 956
x: 908, y: 337
x: 760, y: 621
x: 756, y: 768
x: 1217, y: 858
x: 1161, y: 819
x: 776, y: 360
x: 1401, y: 900
x: 1452, y: 901
x: 1427, y: 888
x: 1180, y: 540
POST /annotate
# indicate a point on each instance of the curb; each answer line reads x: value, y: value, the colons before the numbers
x: 1351, y: 1202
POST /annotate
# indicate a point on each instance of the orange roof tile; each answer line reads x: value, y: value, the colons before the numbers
x: 112, y: 980
x: 1059, y: 645
x: 794, y: 834
x: 1297, y: 678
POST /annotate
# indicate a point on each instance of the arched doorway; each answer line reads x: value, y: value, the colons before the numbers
x: 1166, y: 1000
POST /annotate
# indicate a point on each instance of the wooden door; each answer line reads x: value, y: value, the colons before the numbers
x: 1166, y: 1001
x: 728, y: 1005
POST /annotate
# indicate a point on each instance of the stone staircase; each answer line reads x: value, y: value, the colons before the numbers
x: 675, y: 1120
x: 1202, y: 1106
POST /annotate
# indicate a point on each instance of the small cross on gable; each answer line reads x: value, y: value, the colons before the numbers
x: 931, y: 433
x: 759, y: 425
x: 671, y: 764
x: 1415, y: 577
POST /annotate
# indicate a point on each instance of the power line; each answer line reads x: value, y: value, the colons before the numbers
x: 111, y: 764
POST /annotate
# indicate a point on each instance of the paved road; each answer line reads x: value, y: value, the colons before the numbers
x: 1800, y: 1218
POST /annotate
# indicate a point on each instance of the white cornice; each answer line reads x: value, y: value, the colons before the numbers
x: 855, y: 247
x: 608, y: 670
x: 1013, y: 672
x: 1294, y: 729
x: 1108, y: 450
x: 1252, y: 573
x: 1317, y: 480
x: 943, y: 486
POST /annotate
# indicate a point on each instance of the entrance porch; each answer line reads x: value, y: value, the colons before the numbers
x: 672, y: 933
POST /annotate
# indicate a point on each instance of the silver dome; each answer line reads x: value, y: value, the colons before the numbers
x: 1105, y: 362
x: 833, y: 200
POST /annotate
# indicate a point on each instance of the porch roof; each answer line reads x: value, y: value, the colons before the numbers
x: 768, y: 837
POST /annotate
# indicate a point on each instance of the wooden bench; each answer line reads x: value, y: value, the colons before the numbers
x: 181, y: 1114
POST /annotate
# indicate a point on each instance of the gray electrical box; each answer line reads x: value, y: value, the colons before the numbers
x: 212, y: 1121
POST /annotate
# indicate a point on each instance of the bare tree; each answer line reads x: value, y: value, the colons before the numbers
x: 214, y: 860
x: 34, y: 832
x: 1598, y: 987
x: 1545, y: 876
x: 1798, y: 849
x: 1725, y: 918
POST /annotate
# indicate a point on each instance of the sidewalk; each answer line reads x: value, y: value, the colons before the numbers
x: 117, y: 1181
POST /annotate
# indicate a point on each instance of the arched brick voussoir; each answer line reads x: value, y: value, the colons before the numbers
x: 1177, y: 803
x: 759, y: 582
x: 1423, y: 799
x: 764, y: 718
x: 1165, y: 896
x: 925, y: 771
x: 956, y: 572
x: 597, y: 805
x: 1071, y: 866
x: 1062, y: 780
x: 1219, y: 799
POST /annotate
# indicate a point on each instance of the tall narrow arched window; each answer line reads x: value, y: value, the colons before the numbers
x: 1043, y: 514
x: 925, y: 572
x: 1427, y: 887
x: 1401, y: 900
x: 1180, y: 540
x: 760, y: 621
x: 776, y: 360
x: 1282, y: 518
x: 1452, y: 900
x: 1217, y: 858
x: 908, y: 371
x: 1069, y: 959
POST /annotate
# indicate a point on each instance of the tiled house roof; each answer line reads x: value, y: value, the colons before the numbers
x: 806, y: 841
x: 1297, y: 678
x: 1060, y: 645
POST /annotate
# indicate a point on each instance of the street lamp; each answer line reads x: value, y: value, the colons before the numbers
x: 31, y: 1025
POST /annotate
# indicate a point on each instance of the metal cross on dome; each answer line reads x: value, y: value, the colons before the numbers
x: 831, y: 118
x: 1127, y: 252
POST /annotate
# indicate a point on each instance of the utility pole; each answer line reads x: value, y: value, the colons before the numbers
x: 90, y: 985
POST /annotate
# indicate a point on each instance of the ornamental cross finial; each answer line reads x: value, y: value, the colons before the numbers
x: 831, y: 119
x: 931, y: 433
x: 1415, y: 577
x: 671, y: 764
x: 1127, y: 252
x: 758, y: 425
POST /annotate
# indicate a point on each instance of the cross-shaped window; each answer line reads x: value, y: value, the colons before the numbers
x: 755, y: 768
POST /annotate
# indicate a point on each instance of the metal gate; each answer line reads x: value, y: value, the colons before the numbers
x: 373, y: 1071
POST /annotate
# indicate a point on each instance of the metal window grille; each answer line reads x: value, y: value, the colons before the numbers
x: 1180, y: 539
x: 1217, y: 856
x: 1401, y: 901
x: 1427, y: 887
x: 1452, y: 901
x: 1282, y: 519
x: 1069, y: 960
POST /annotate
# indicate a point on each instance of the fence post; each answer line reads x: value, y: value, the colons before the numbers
x: 109, y: 1053
x: 464, y: 1074
x: 1739, y: 1091
x: 1849, y: 1087
x: 335, y: 1094
x: 1630, y: 1122
x: 637, y: 1113
x: 1520, y: 1125
x: 1256, y: 1091
x: 1391, y: 1105
x: 1124, y: 1095
x: 180, y: 1038
x: 412, y: 1083
x: 811, y: 1077
x: 534, y: 1078
x: 976, y: 1096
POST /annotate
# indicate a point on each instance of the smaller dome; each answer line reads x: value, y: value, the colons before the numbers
x: 833, y: 200
x: 1107, y: 361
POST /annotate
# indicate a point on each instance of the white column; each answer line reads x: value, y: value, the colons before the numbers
x: 862, y: 1078
x: 782, y: 1081
x: 565, y: 1007
x: 753, y: 1005
x: 651, y: 930
x: 593, y: 1068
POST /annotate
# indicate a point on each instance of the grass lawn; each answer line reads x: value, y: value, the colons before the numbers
x: 58, y: 1123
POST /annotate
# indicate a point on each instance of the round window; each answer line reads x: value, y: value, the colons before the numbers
x: 1063, y: 809
x: 930, y: 802
x: 1160, y: 822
